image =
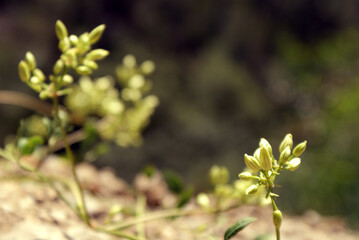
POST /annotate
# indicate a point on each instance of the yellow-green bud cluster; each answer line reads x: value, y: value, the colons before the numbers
x: 218, y: 175
x: 76, y: 50
x: 126, y: 128
x: 76, y: 54
x: 133, y: 78
x: 127, y: 111
x: 98, y: 97
x: 262, y: 158
x: 30, y: 74
x: 264, y: 162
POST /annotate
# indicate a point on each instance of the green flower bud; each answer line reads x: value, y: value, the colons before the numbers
x: 31, y: 61
x: 219, y: 175
x: 147, y: 67
x: 24, y: 71
x: 129, y: 61
x: 113, y: 106
x: 74, y: 40
x: 97, y: 54
x: 61, y: 30
x: 293, y: 164
x: 265, y: 159
x: 83, y: 70
x: 252, y: 189
x: 299, y: 149
x: 136, y: 81
x: 59, y: 66
x: 96, y: 34
x: 223, y: 190
x: 84, y: 39
x: 91, y: 64
x: 64, y: 44
x: 203, y: 200
x: 84, y: 43
x: 67, y: 79
x: 70, y: 58
x: 263, y: 142
x: 35, y: 80
x: 44, y: 94
x: 245, y: 176
x: 251, y: 163
x: 256, y: 153
x: 287, y: 142
x: 277, y: 219
x: 38, y: 73
x: 151, y: 101
x: 284, y: 156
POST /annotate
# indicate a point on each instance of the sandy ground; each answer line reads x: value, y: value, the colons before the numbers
x: 31, y: 210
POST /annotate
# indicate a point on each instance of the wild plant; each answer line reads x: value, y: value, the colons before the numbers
x: 263, y: 168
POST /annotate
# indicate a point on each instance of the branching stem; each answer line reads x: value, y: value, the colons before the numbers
x: 78, y: 192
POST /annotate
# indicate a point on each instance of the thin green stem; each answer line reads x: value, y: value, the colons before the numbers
x: 78, y: 192
x: 277, y: 233
x: 168, y: 213
x: 140, y: 212
x: 270, y: 187
x: 118, y: 233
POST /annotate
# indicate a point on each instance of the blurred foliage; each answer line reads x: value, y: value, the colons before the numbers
x: 228, y: 72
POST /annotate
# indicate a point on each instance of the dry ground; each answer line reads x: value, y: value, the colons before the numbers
x: 30, y: 210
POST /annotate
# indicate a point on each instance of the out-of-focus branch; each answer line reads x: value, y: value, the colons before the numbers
x: 73, y: 137
x: 26, y: 101
x: 32, y: 103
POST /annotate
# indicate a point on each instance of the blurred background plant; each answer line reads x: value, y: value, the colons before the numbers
x: 228, y: 73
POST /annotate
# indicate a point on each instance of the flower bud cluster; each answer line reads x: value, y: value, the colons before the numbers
x: 225, y: 193
x: 30, y: 74
x: 76, y: 54
x: 95, y: 97
x: 126, y: 111
x: 126, y: 129
x: 76, y: 50
x: 264, y: 162
x: 133, y: 78
x: 218, y: 175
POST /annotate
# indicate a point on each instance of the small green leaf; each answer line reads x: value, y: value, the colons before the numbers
x: 27, y: 145
x: 149, y: 170
x: 238, y: 226
x: 184, y: 197
x: 174, y: 182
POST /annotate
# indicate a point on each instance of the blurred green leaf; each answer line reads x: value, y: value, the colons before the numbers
x: 28, y: 145
x: 184, y: 197
x: 174, y: 182
x: 149, y: 170
x: 238, y: 226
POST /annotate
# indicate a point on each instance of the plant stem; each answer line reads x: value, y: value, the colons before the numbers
x: 78, y: 192
x: 26, y: 101
x: 270, y: 186
x: 168, y: 213
x: 118, y: 233
x: 140, y: 212
x: 277, y: 233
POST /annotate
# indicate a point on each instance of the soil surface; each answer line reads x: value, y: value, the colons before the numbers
x: 31, y: 210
